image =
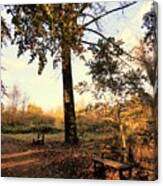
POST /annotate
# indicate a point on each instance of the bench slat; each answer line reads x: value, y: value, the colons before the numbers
x: 113, y: 164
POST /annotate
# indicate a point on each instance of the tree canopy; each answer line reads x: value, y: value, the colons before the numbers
x: 37, y: 28
x: 124, y: 73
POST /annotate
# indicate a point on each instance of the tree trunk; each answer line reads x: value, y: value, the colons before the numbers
x: 68, y: 98
x: 122, y: 135
x: 155, y: 106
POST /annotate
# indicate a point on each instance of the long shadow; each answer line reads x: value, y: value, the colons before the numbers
x: 13, y: 164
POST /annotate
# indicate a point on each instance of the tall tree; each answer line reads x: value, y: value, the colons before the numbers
x: 58, y: 29
x: 151, y: 41
x: 148, y: 58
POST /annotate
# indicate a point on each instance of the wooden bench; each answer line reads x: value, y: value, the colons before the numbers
x: 101, y: 165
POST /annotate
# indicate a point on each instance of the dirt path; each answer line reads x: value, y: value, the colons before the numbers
x: 19, y: 154
x: 18, y: 159
x: 13, y: 164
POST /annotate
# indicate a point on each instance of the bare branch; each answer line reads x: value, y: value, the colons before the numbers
x: 109, y: 12
x: 88, y: 15
x: 85, y: 5
x: 89, y: 43
x: 91, y: 16
x: 96, y: 32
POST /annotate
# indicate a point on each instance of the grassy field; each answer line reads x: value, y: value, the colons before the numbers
x: 29, y: 136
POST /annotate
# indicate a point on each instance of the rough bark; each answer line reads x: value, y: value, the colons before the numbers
x: 69, y: 109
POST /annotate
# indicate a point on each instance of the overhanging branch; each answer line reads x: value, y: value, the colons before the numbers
x: 96, y: 32
x: 90, y: 16
x: 109, y: 12
x: 85, y: 5
x: 89, y: 43
x: 105, y: 38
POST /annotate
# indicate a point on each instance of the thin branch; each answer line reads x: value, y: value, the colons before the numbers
x: 87, y: 14
x: 96, y: 32
x: 109, y: 12
x: 91, y: 16
x: 85, y: 5
x: 89, y: 43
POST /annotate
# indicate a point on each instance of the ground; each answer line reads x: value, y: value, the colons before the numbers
x: 21, y: 159
x: 54, y: 159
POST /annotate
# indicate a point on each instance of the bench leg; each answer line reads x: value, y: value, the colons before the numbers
x: 122, y: 177
x: 99, y: 171
x: 130, y: 173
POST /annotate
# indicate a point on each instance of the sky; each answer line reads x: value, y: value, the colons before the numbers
x: 46, y: 90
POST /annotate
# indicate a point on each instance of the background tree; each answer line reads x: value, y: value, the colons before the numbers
x: 24, y: 103
x: 14, y: 103
x: 38, y: 119
x: 57, y: 29
x: 34, y: 114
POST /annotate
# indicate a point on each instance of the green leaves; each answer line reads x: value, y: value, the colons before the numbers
x: 38, y: 28
x: 111, y: 70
